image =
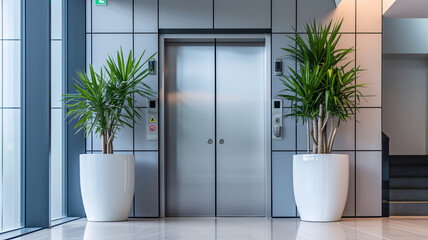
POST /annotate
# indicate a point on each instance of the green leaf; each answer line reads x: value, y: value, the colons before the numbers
x: 104, y: 102
x: 325, y: 76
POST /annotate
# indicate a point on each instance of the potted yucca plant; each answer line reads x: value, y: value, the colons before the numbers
x: 322, y: 94
x: 103, y: 105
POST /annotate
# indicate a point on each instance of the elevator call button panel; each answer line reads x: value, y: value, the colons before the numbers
x: 277, y: 115
x: 152, y: 120
x: 278, y: 67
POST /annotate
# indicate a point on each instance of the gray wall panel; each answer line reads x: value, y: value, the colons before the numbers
x: 109, y: 44
x: 88, y: 15
x: 185, y: 14
x: 289, y: 125
x: 88, y: 51
x: 396, y: 32
x: 301, y: 142
x: 122, y: 142
x: 113, y: 37
x: 350, y: 202
x: 145, y: 15
x: 283, y: 203
x: 140, y: 133
x: 146, y: 184
x: 369, y: 16
x: 283, y: 15
x: 369, y: 183
x: 406, y: 76
x: 88, y: 61
x: 149, y: 43
x: 369, y: 129
x: 345, y: 138
x: 102, y: 46
x: 288, y: 141
x: 252, y: 14
x: 280, y: 41
x: 116, y: 16
x: 324, y: 11
x: 369, y: 52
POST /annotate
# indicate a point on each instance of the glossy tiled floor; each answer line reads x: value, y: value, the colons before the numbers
x: 239, y: 228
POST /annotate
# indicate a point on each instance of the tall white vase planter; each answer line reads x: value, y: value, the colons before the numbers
x: 320, y: 183
x: 107, y: 185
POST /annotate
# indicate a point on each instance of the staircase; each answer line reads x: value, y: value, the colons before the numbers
x: 408, y: 185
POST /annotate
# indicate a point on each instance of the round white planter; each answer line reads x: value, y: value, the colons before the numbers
x: 320, y: 184
x: 107, y: 185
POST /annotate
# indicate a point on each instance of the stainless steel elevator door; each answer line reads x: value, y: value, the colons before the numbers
x: 190, y: 124
x: 240, y: 101
x: 215, y: 92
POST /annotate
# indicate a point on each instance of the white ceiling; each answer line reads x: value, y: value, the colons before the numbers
x: 407, y: 9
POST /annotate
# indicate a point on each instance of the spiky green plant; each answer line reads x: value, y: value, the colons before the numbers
x: 104, y: 102
x: 323, y: 90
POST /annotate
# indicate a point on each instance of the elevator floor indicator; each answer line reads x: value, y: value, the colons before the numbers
x: 152, y: 128
x: 152, y: 119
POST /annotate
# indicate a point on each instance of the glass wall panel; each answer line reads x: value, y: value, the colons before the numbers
x: 56, y: 19
x: 56, y: 74
x: 11, y: 73
x: 11, y: 19
x: 11, y: 177
x: 57, y: 112
x: 11, y: 169
x: 57, y: 173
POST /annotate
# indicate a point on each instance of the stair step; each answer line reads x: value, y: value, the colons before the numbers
x: 398, y: 208
x: 408, y: 183
x: 395, y: 160
x: 408, y: 194
x: 408, y: 171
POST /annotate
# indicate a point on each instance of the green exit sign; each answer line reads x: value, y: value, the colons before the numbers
x: 100, y: 2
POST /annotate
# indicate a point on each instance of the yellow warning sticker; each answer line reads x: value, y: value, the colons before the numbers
x: 152, y: 119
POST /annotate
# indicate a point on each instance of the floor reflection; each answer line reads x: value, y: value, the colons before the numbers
x: 321, y: 231
x: 215, y: 229
x: 236, y: 229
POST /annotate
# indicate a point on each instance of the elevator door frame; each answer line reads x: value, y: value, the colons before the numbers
x: 239, y: 38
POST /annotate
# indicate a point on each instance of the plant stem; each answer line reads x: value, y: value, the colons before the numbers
x: 104, y: 142
x: 107, y: 142
x: 320, y: 130
x: 308, y: 137
x: 315, y: 135
x: 329, y: 144
x: 333, y: 136
x: 324, y: 135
